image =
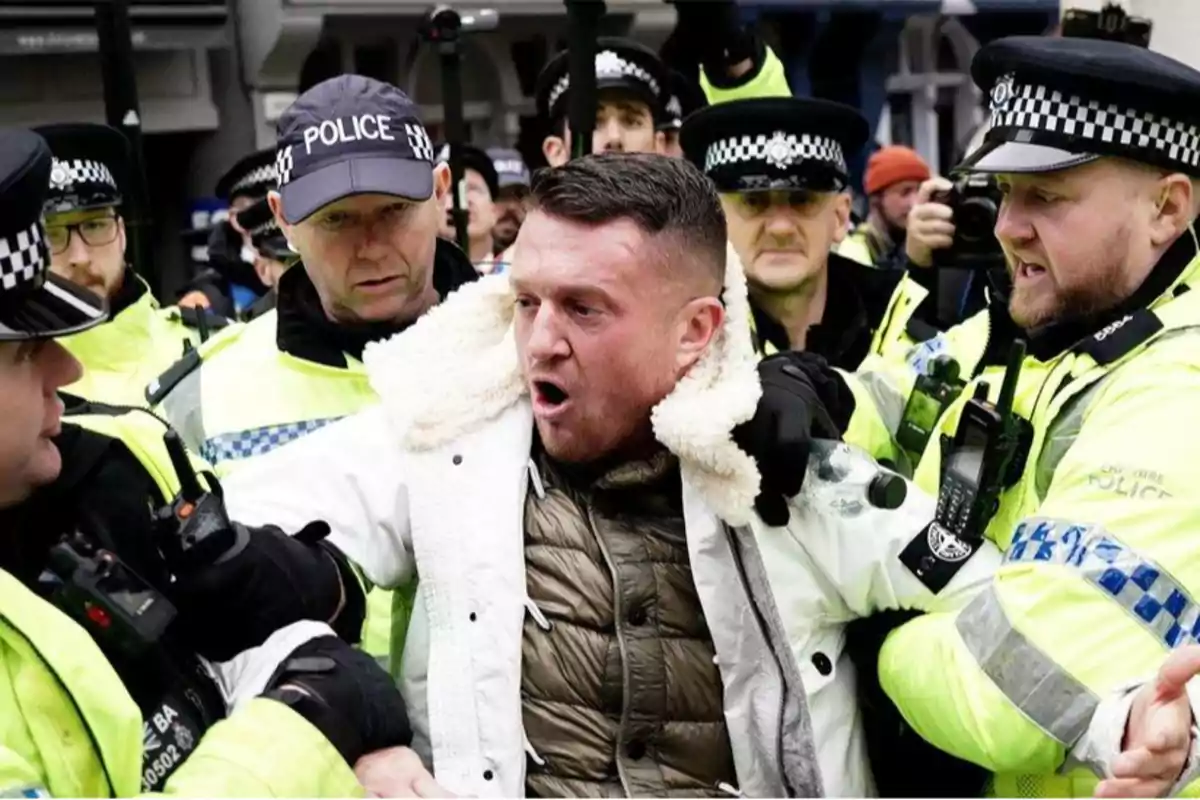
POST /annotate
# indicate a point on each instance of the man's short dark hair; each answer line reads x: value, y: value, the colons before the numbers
x: 667, y: 197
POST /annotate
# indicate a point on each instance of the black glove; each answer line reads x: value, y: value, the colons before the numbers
x: 803, y: 399
x: 267, y: 582
x: 713, y: 34
x: 345, y: 695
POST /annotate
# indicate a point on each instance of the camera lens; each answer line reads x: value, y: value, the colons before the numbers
x: 975, y: 219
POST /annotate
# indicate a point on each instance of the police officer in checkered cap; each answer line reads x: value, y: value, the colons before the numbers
x: 85, y: 231
x: 780, y: 164
x: 1095, y: 146
x: 34, y: 302
x: 631, y: 83
x: 683, y: 98
x: 272, y: 256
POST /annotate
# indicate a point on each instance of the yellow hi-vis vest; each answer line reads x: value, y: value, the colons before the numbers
x: 238, y: 397
x: 1100, y: 578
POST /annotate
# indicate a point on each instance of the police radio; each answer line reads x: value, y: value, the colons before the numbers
x: 932, y: 394
x: 197, y: 529
x: 985, y: 456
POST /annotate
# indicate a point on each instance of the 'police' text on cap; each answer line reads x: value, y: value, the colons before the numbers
x: 351, y: 135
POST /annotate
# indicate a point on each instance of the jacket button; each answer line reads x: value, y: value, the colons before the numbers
x: 635, y: 749
x: 457, y: 460
x: 488, y: 775
x: 637, y: 616
x: 822, y: 663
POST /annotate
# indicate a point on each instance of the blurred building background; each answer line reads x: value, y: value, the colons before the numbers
x: 214, y: 76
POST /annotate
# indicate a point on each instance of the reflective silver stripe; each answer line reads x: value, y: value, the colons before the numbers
x: 888, y: 401
x: 1137, y: 584
x: 1043, y: 691
x: 183, y: 407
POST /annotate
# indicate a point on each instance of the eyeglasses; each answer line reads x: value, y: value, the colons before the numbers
x: 95, y: 232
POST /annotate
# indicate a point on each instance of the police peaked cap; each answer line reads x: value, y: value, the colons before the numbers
x: 91, y: 166
x: 34, y: 303
x: 774, y: 143
x: 259, y: 222
x: 474, y: 159
x: 252, y: 176
x: 683, y: 98
x: 620, y: 64
x: 1058, y: 102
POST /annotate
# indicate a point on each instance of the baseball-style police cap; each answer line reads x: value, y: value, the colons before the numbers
x: 259, y: 222
x: 34, y: 304
x: 511, y: 169
x: 1058, y: 102
x: 252, y: 176
x: 90, y: 166
x: 620, y: 64
x: 774, y: 143
x: 351, y: 135
x: 684, y: 97
x: 474, y: 159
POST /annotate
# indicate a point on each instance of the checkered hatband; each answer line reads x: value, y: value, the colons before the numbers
x: 609, y: 66
x: 1055, y: 115
x: 65, y: 174
x: 24, y: 258
x: 284, y: 164
x: 262, y: 177
x: 779, y: 150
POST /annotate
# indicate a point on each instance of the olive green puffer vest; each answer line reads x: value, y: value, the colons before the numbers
x: 620, y: 692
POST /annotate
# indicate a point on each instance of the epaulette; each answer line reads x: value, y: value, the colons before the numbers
x: 161, y: 386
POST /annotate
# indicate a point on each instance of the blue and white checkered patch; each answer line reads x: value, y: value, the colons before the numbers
x: 1136, y: 583
x: 920, y: 355
x: 258, y: 441
x: 24, y: 791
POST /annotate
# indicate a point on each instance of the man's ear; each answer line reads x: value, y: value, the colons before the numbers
x: 275, y: 202
x: 841, y: 213
x: 1174, y: 212
x: 441, y: 181
x: 660, y: 143
x: 556, y: 150
x: 699, y: 321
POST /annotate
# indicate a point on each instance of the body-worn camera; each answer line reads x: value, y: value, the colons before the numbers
x: 975, y: 201
x: 1110, y: 22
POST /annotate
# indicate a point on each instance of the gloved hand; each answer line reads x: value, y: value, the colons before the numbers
x: 345, y: 695
x: 803, y: 399
x: 268, y: 581
x: 713, y: 33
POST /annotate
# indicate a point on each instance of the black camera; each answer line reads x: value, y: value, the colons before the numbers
x: 1110, y: 22
x: 975, y: 201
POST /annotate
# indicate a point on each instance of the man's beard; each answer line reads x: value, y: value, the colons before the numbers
x: 1072, y: 305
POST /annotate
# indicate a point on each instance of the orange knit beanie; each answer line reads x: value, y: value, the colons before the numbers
x: 892, y: 164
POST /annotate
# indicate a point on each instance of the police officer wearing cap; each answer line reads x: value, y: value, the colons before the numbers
x: 107, y: 645
x: 228, y: 283
x: 631, y: 84
x: 682, y: 99
x: 780, y: 165
x: 85, y: 234
x: 513, y: 180
x: 1096, y: 148
x: 272, y: 256
x: 360, y: 200
x: 481, y: 185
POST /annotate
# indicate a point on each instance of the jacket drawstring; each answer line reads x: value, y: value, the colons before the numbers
x: 537, y: 614
x: 536, y: 479
x: 533, y: 754
x: 730, y: 790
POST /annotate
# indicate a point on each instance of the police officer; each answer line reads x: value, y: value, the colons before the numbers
x: 683, y: 98
x: 86, y: 236
x: 228, y: 284
x: 513, y: 179
x: 631, y: 86
x: 272, y: 256
x: 1095, y: 148
x: 780, y: 165
x: 482, y: 186
x: 360, y: 200
x: 107, y: 686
